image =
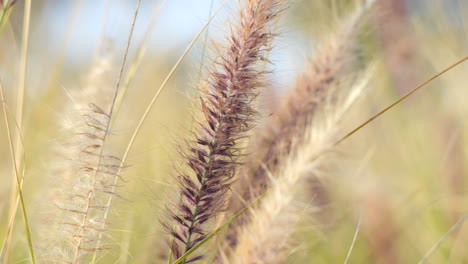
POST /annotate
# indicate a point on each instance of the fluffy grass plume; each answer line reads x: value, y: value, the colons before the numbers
x: 77, y: 214
x: 336, y: 64
x: 266, y: 237
x: 308, y: 115
x: 95, y: 174
x: 226, y: 104
x: 279, y: 192
x: 336, y: 61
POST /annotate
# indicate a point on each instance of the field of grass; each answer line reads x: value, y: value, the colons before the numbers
x: 248, y: 131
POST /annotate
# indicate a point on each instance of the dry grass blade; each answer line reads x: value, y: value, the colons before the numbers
x: 19, y: 116
x: 140, y: 53
x: 358, y: 227
x: 164, y: 83
x: 18, y: 184
x: 401, y: 99
x: 5, y: 245
x: 456, y: 226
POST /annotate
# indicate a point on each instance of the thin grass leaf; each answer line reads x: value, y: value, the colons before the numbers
x: 18, y: 184
x: 19, y: 116
x: 454, y: 228
x: 141, y: 50
x: 401, y: 99
x: 12, y: 219
x: 358, y: 227
x: 165, y: 82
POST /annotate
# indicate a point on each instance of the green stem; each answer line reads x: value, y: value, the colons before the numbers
x: 20, y: 192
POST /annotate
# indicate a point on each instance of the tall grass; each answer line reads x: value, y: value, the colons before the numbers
x: 236, y: 185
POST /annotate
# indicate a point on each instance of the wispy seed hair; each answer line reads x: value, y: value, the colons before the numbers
x: 83, y: 185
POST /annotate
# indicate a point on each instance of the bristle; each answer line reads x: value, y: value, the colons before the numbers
x: 213, y: 156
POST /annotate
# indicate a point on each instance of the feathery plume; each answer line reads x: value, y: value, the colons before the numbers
x: 336, y: 61
x: 266, y: 237
x: 226, y: 104
x: 329, y: 75
x: 96, y: 173
x: 83, y: 184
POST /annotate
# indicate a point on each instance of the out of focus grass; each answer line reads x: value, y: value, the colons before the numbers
x: 407, y: 168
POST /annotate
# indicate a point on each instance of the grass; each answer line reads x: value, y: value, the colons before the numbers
x: 120, y: 167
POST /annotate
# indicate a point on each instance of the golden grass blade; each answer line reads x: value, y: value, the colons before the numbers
x: 24, y: 63
x: 393, y: 104
x: 358, y: 227
x: 5, y: 244
x: 119, y: 80
x: 18, y: 182
x: 400, y: 100
x: 164, y: 83
x: 19, y: 116
x: 456, y: 226
x: 141, y: 50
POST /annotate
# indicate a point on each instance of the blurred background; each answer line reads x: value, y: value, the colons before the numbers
x: 407, y: 169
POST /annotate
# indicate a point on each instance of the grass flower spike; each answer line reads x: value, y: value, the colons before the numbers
x: 226, y: 103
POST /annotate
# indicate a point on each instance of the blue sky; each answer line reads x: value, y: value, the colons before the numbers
x: 177, y: 24
x: 179, y: 20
